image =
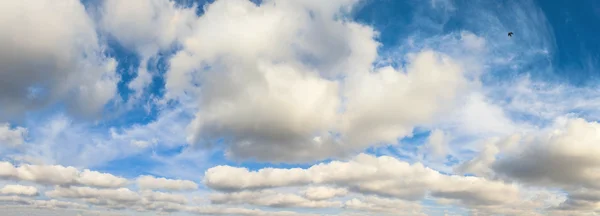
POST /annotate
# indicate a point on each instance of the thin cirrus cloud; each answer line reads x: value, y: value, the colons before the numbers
x: 343, y: 107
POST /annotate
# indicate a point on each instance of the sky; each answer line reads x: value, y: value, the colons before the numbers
x: 299, y: 107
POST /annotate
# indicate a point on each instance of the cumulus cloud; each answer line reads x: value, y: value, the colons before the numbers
x: 164, y: 197
x: 290, y: 81
x: 480, y: 164
x: 42, y: 207
x: 123, y: 198
x: 563, y: 156
x: 94, y: 178
x: 377, y: 107
x: 59, y: 175
x: 19, y: 190
x: 580, y: 199
x: 366, y: 174
x: 271, y: 199
x: 437, y: 144
x: 284, y: 97
x: 210, y: 210
x: 377, y: 205
x: 566, y: 156
x: 12, y: 137
x: 52, y: 56
x: 323, y: 193
x: 123, y: 195
x: 481, y: 117
x: 366, y: 120
x: 50, y: 204
x: 151, y: 182
x: 137, y: 29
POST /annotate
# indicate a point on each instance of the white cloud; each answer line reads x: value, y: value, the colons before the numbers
x: 39, y: 173
x: 218, y: 177
x: 59, y: 175
x: 475, y: 191
x: 52, y: 56
x: 49, y: 204
x: 247, y: 68
x: 366, y: 174
x: 480, y: 164
x: 377, y: 205
x: 94, y: 178
x: 211, y: 210
x: 291, y: 50
x: 150, y: 182
x: 137, y: 29
x: 437, y: 144
x: 123, y: 198
x: 161, y: 207
x: 581, y: 200
x: 534, y: 202
x: 111, y: 201
x: 377, y: 109
x: 121, y: 195
x: 164, y: 197
x: 366, y: 120
x: 271, y: 199
x: 12, y: 137
x: 480, y: 117
x: 566, y: 156
x: 54, y: 204
x: 324, y: 193
x: 281, y: 30
x: 19, y: 190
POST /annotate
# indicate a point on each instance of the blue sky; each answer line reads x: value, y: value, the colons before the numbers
x: 342, y: 107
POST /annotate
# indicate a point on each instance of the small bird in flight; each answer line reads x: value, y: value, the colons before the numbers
x: 510, y: 34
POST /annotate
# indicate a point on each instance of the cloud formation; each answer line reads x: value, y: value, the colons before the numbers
x: 285, y: 97
x: 12, y: 137
x: 383, y: 176
x: 563, y: 157
x: 19, y: 190
x: 284, y: 108
x: 59, y: 175
x: 52, y: 56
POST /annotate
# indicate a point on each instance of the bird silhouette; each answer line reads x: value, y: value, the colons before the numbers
x: 510, y: 34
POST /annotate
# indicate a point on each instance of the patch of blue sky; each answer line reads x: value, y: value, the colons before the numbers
x: 218, y: 157
x: 532, y: 50
x: 141, y: 110
x: 131, y: 166
x: 452, y: 161
x: 128, y: 63
x: 201, y: 3
x: 406, y: 147
x: 389, y: 18
x: 575, y: 28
